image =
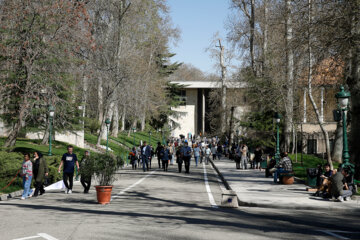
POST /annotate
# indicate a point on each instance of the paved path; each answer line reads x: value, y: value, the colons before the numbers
x: 253, y: 189
x: 162, y: 205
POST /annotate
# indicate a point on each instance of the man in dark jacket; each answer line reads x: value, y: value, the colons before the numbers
x: 186, y: 155
x: 86, y: 171
x: 145, y: 156
x: 159, y: 152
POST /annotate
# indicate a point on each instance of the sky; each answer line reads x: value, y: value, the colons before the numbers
x: 198, y: 21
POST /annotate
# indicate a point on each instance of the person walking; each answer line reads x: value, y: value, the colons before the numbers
x: 145, y: 156
x: 26, y: 173
x: 207, y: 155
x: 69, y: 160
x: 152, y: 155
x: 133, y: 158
x: 158, y: 153
x: 86, y: 171
x: 166, y: 158
x: 186, y: 155
x: 257, y: 159
x: 219, y: 150
x: 213, y: 151
x: 244, y: 161
x: 196, y: 154
x: 40, y: 170
x: 179, y: 159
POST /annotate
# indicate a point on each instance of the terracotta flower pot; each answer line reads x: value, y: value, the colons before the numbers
x: 103, y: 194
x: 287, y: 180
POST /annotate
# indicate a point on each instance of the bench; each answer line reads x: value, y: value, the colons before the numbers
x: 287, y: 178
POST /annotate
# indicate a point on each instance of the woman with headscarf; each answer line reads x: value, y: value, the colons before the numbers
x: 40, y: 170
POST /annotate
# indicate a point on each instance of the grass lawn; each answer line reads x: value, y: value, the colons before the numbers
x: 139, y: 136
x: 29, y: 146
x: 26, y: 145
x: 309, y: 161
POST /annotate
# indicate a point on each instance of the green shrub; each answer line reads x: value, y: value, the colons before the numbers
x: 92, y: 125
x: 105, y: 167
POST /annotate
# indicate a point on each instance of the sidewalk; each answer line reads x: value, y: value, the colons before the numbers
x: 253, y: 189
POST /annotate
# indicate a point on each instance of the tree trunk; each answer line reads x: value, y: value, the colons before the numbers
x: 115, y: 122
x: 318, y: 116
x: 103, y: 130
x: 45, y: 139
x: 223, y: 88
x: 143, y: 117
x: 252, y: 36
x: 289, y: 103
x: 265, y: 40
x: 353, y: 80
x: 123, y: 116
x: 338, y: 144
x: 100, y: 101
x: 11, y: 139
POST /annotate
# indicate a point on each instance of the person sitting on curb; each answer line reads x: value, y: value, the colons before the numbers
x: 271, y: 165
x: 324, y: 181
x: 284, y: 166
x: 339, y: 186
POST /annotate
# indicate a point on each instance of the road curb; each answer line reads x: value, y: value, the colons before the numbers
x: 264, y: 205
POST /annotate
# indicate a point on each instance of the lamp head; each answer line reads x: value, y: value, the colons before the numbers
x: 107, y: 122
x: 277, y: 117
x: 343, y: 97
x: 51, y: 111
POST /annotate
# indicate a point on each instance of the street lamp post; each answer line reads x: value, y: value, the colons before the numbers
x: 107, y: 122
x: 134, y: 131
x: 277, y: 118
x: 51, y: 117
x: 343, y: 102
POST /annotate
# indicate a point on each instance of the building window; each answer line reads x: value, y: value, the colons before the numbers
x: 312, y: 146
x: 182, y: 97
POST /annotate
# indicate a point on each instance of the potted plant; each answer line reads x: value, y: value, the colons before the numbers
x: 105, y: 168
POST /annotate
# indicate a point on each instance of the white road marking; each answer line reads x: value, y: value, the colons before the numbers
x: 46, y: 236
x: 39, y: 235
x: 133, y: 185
x: 211, y: 197
x: 32, y: 237
x: 333, y: 233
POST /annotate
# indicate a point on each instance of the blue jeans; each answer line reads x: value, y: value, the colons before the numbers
x: 196, y: 160
x: 26, y: 185
x: 277, y: 173
x: 145, y: 161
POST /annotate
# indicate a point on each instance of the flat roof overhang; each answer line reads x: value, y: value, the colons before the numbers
x: 208, y: 84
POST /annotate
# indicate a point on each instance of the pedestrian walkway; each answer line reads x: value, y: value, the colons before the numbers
x: 253, y: 189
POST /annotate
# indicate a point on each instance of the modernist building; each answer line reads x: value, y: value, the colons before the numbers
x: 193, y: 113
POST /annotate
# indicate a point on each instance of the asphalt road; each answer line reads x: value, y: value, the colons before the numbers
x: 164, y: 205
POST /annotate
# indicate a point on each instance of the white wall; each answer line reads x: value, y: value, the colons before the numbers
x: 187, y: 119
x: 74, y: 138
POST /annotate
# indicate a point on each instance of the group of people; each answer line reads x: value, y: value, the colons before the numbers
x: 33, y: 168
x: 337, y: 184
x: 182, y: 151
x: 36, y: 169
